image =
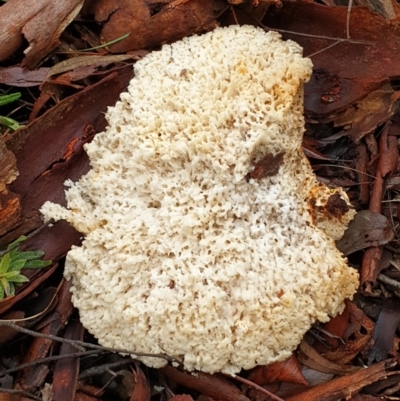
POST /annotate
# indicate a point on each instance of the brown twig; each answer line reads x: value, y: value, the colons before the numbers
x: 310, y: 35
x: 30, y: 235
x: 257, y: 387
x: 98, y: 370
x: 49, y: 359
x: 348, y: 19
x: 80, y: 345
x: 389, y: 281
x: 20, y: 392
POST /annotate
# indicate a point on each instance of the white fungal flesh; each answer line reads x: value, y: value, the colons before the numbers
x: 182, y: 253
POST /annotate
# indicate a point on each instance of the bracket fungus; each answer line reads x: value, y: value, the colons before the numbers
x: 207, y: 235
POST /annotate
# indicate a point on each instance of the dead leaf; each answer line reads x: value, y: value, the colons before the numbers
x: 85, y: 61
x: 151, y: 27
x: 215, y: 386
x: 336, y: 327
x: 18, y: 76
x: 367, y: 229
x: 313, y: 378
x: 287, y: 371
x: 141, y: 392
x: 375, y: 259
x: 385, y: 330
x: 309, y: 357
x: 40, y: 22
x: 364, y: 116
x: 357, y: 335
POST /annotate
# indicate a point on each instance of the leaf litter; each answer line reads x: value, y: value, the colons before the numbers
x: 351, y: 105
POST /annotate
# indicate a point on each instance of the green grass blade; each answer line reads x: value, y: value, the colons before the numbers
x: 12, y: 97
x: 9, y: 122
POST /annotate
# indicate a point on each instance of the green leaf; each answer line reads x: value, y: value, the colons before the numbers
x: 5, y: 263
x: 9, y: 122
x: 13, y: 244
x: 12, y: 248
x: 10, y: 276
x: 6, y: 285
x: 12, y: 289
x: 12, y: 97
x: 19, y: 278
x: 17, y: 265
x: 28, y: 255
x: 37, y: 264
x: 11, y: 264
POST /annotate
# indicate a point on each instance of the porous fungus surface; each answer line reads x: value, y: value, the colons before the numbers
x: 192, y: 246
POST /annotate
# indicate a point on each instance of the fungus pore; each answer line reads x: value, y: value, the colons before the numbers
x: 207, y: 236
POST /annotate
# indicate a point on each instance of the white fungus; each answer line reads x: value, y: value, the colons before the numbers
x: 192, y: 247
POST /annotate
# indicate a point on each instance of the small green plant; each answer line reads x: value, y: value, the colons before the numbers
x: 7, y: 121
x: 12, y: 261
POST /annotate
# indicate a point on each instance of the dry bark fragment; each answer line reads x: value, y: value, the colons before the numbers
x: 40, y: 22
x: 10, y: 208
x: 149, y: 26
x: 43, y: 149
x: 65, y: 380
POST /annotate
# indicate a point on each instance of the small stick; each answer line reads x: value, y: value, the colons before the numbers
x: 257, y: 387
x: 80, y: 345
x: 348, y: 19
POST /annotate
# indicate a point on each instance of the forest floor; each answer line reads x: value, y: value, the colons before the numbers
x: 63, y: 63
